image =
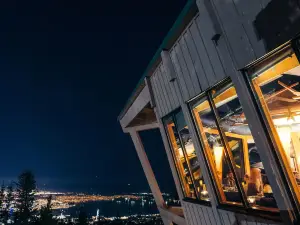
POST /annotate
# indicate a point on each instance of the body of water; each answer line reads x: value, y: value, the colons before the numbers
x: 113, y: 208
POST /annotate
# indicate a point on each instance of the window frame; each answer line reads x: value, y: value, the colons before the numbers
x: 257, y: 67
x: 244, y: 207
x: 196, y: 200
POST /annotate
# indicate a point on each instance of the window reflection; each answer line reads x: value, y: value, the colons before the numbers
x: 242, y: 166
x: 215, y: 153
x: 185, y: 157
x: 279, y: 92
x: 250, y: 171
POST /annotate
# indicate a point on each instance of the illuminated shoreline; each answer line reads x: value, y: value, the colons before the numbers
x: 68, y: 200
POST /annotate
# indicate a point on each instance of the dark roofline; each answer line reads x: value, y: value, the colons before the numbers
x: 184, y: 18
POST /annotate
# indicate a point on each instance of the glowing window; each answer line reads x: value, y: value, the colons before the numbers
x: 278, y: 91
x: 231, y: 150
x: 185, y: 157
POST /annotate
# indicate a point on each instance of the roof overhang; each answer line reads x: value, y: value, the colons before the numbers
x: 186, y: 15
x: 140, y: 115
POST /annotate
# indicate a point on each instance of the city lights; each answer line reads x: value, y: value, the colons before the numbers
x: 67, y: 200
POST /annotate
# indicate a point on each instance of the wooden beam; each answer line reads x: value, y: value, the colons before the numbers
x: 137, y: 106
x: 147, y: 168
x: 171, y: 216
x: 141, y: 127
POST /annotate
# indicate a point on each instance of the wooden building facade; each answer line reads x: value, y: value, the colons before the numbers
x: 223, y: 89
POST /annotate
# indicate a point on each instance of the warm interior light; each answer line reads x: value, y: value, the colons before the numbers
x: 284, y: 134
x: 189, y: 147
x: 251, y: 200
x: 180, y: 152
x: 218, y: 153
x: 204, y: 192
x: 285, y: 138
x: 285, y: 121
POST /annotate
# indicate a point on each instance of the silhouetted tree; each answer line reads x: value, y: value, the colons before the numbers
x: 8, y: 201
x: 69, y: 222
x: 26, y: 187
x: 46, y: 217
x: 82, y: 217
x: 2, y: 196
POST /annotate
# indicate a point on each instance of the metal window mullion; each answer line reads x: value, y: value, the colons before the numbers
x: 174, y: 158
x: 186, y: 157
x: 227, y: 150
x: 206, y: 157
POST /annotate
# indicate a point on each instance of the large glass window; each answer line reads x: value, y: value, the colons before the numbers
x: 278, y: 90
x: 231, y: 150
x: 215, y: 152
x: 185, y: 157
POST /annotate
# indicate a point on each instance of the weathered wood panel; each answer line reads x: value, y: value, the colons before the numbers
x: 163, y: 90
x: 196, y: 60
x: 170, y: 94
x: 182, y: 83
x: 248, y: 13
x: 236, y: 18
x: 157, y: 95
x: 166, y: 97
x: 213, y: 65
x: 190, y: 69
x: 183, y: 72
x: 198, y: 64
x: 197, y: 214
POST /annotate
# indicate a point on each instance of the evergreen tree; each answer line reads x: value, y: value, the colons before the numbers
x: 82, y: 217
x: 26, y: 187
x: 8, y: 201
x: 2, y: 196
x: 46, y: 217
x: 69, y: 222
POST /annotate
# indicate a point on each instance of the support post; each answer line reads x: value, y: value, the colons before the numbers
x: 147, y: 168
x: 170, y: 158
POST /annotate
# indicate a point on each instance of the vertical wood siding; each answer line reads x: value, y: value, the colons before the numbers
x: 166, y: 96
x: 196, y: 58
x: 237, y: 20
x: 196, y: 62
x: 196, y: 214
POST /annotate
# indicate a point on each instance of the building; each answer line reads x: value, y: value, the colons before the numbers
x: 223, y: 89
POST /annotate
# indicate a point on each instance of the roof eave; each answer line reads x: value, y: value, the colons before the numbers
x: 184, y: 18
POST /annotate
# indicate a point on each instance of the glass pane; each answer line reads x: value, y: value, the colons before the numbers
x: 279, y: 92
x: 180, y: 161
x: 215, y: 153
x: 192, y: 157
x: 248, y: 166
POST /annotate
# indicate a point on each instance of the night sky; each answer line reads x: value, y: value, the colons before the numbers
x: 67, y: 69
